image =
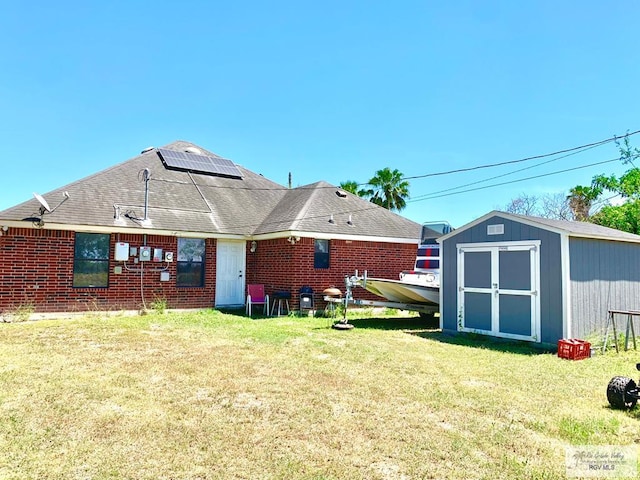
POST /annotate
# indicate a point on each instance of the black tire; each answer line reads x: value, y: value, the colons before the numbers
x: 430, y: 319
x: 617, y: 393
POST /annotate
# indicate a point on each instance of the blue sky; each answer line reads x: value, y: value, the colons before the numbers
x: 331, y: 90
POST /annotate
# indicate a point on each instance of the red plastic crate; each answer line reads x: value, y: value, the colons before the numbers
x: 573, y: 349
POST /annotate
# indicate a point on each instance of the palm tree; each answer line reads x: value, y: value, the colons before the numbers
x: 581, y: 199
x: 351, y: 186
x: 389, y: 189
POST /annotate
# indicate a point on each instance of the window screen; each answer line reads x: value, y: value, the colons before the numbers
x: 190, y: 264
x: 91, y: 260
x: 321, y: 254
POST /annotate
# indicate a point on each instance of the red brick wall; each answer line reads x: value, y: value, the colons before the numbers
x: 282, y: 266
x: 36, y: 270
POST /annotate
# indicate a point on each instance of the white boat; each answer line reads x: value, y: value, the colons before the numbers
x: 401, y: 291
x: 420, y: 285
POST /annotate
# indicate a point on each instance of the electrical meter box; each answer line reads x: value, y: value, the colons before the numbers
x: 168, y: 256
x: 145, y: 254
x: 122, y: 252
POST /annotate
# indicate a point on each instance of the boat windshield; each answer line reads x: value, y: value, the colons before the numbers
x: 431, y: 231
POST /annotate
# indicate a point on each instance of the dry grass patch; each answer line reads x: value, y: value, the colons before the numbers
x: 216, y: 396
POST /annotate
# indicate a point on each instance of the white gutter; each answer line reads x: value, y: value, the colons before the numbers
x: 192, y: 234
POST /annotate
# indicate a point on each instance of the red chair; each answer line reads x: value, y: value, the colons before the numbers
x: 256, y: 296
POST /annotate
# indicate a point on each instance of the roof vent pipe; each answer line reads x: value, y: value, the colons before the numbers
x: 194, y: 150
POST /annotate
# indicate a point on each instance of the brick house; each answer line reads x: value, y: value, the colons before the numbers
x: 185, y: 226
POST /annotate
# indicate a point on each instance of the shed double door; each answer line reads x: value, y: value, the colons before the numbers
x: 498, y: 289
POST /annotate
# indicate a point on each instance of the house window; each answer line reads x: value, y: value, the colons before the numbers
x: 91, y: 260
x: 321, y: 254
x: 190, y: 264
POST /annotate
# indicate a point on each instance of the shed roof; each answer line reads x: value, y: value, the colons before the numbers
x: 565, y: 227
x: 181, y: 201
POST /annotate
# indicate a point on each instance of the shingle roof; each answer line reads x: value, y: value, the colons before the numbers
x: 571, y: 228
x: 583, y: 229
x: 323, y: 208
x: 182, y: 201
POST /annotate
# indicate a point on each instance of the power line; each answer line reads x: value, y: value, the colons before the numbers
x: 514, y: 181
x: 449, y: 192
x: 509, y: 162
x: 504, y: 174
x: 575, y: 150
x: 433, y: 195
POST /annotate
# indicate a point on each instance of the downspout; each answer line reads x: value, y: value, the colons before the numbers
x: 565, y: 268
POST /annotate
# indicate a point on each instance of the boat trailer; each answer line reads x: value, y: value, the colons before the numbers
x: 425, y: 311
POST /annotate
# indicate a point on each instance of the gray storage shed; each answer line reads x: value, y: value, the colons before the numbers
x: 536, y: 279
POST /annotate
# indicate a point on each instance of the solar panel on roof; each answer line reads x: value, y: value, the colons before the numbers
x: 191, y: 162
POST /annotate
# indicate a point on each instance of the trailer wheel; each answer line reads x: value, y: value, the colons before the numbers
x: 430, y: 319
x: 618, y: 393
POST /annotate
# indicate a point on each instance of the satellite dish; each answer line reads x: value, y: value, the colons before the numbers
x: 42, y: 201
x: 44, y: 206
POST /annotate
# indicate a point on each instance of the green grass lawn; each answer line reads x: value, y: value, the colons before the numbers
x: 216, y: 396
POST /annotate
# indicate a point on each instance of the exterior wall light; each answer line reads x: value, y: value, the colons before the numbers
x: 253, y: 247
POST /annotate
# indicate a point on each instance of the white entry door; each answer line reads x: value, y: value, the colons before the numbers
x: 230, y: 274
x: 498, y: 289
